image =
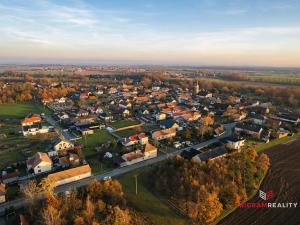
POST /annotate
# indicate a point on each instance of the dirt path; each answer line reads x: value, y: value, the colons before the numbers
x: 284, y: 179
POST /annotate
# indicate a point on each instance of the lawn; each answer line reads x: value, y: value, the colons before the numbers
x: 126, y: 133
x: 20, y: 110
x: 90, y: 142
x: 99, y: 137
x: 146, y: 202
x: 124, y: 123
x: 264, y: 146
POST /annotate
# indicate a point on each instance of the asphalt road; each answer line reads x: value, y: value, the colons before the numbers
x: 18, y: 203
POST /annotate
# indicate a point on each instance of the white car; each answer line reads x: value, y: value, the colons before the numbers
x: 177, y: 145
x: 107, y: 178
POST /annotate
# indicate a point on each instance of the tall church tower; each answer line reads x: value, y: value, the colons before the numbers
x: 196, y: 88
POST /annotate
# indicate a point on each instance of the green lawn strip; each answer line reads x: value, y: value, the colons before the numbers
x: 264, y: 146
x: 146, y: 202
x: 126, y: 133
x: 124, y: 123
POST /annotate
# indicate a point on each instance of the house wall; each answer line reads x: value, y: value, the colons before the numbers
x: 150, y: 155
x: 42, y: 168
x: 63, y: 145
x: 2, y: 198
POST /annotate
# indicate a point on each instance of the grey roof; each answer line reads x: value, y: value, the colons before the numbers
x: 212, y: 153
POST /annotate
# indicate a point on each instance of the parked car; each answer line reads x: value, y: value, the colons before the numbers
x: 106, y: 178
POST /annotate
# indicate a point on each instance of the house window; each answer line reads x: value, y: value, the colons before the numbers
x: 39, y: 171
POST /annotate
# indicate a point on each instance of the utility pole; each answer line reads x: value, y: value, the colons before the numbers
x: 136, y: 184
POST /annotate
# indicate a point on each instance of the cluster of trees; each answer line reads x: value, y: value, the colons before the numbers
x: 54, y: 92
x: 98, y: 203
x: 16, y: 92
x: 204, y: 129
x: 203, y: 190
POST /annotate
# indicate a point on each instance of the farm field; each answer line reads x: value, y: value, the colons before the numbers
x: 150, y: 206
x: 283, y: 178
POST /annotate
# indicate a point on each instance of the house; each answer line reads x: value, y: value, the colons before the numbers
x: 70, y: 175
x: 10, y: 177
x: 282, y: 133
x: 205, y: 94
x: 234, y: 143
x: 288, y: 117
x: 31, y: 120
x: 258, y: 119
x: 82, y: 112
x: 61, y: 100
x: 63, y: 116
x: 239, y: 116
x: 125, y: 105
x: 160, y: 116
x: 31, y: 125
x: 253, y: 130
x: 137, y: 156
x: 2, y: 192
x: 62, y: 144
x: 126, y: 113
x: 166, y: 124
x: 105, y: 117
x: 220, y: 130
x: 189, y: 154
x: 83, y: 95
x: 39, y: 163
x: 112, y: 90
x: 211, y: 155
x: 69, y: 160
x: 164, y: 134
x: 135, y: 139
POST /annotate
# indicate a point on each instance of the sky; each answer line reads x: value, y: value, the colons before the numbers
x: 166, y: 32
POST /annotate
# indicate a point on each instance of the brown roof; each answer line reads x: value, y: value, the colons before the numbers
x: 69, y: 173
x: 164, y: 132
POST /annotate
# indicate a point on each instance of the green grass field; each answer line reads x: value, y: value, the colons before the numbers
x: 150, y: 205
x: 124, y: 123
x: 20, y: 110
x: 99, y: 137
x: 90, y: 142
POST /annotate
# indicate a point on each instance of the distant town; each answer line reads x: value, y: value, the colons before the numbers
x: 71, y: 124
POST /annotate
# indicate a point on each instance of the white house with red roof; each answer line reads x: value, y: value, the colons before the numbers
x: 135, y: 139
x: 31, y: 125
